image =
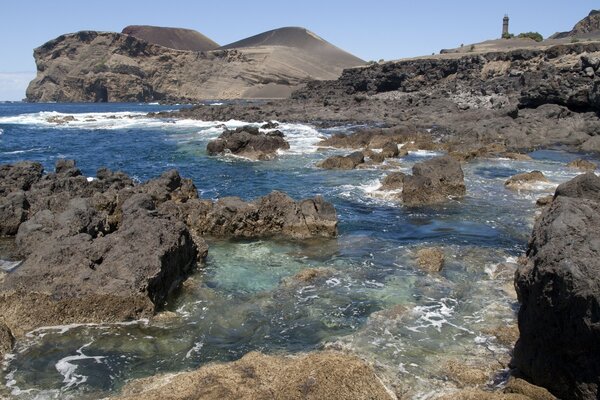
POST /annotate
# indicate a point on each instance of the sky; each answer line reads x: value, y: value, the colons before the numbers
x: 372, y: 30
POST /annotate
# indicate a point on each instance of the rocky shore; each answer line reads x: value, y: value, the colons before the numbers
x: 522, y: 99
x: 107, y: 249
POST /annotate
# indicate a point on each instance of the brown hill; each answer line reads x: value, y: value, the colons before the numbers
x: 173, y: 38
x: 305, y: 44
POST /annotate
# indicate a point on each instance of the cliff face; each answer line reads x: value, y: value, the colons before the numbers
x: 91, y: 66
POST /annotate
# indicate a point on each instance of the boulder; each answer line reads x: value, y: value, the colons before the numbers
x: 390, y: 149
x: 19, y: 176
x: 276, y: 214
x: 248, y: 142
x: 430, y: 259
x: 559, y: 292
x: 7, y: 340
x: 393, y: 181
x: 14, y: 209
x: 525, y: 180
x: 544, y: 201
x: 583, y: 165
x: 343, y: 162
x: 319, y: 375
x: 434, y: 181
x: 77, y: 272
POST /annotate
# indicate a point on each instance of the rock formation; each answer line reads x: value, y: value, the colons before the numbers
x: 320, y: 375
x: 525, y: 180
x: 350, y: 161
x: 173, y: 38
x: 109, y: 250
x: 520, y: 99
x: 558, y: 289
x: 433, y: 181
x: 92, y: 66
x: 248, y: 142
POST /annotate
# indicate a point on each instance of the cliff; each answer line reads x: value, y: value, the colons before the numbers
x: 92, y: 66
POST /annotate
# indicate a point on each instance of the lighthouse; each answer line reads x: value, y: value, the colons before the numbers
x: 505, y: 26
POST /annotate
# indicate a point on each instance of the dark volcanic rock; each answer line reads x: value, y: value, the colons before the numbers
x: 343, y: 162
x: 525, y: 180
x: 248, y: 142
x: 276, y: 214
x: 7, y: 340
x: 433, y: 181
x: 559, y: 292
x: 19, y: 176
x: 393, y: 181
x: 76, y: 271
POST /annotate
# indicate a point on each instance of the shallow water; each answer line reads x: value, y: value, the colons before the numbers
x: 369, y: 297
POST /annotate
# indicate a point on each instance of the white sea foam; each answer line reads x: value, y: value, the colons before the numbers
x: 67, y: 369
x: 302, y: 138
x: 195, y: 349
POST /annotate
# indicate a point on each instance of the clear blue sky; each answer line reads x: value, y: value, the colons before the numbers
x: 372, y: 30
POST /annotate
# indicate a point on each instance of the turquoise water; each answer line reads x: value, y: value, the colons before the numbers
x: 368, y: 298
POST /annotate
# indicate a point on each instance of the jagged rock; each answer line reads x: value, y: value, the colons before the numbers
x: 7, y: 340
x: 544, y: 201
x: 248, y: 142
x: 433, y: 181
x: 465, y: 375
x: 319, y: 375
x: 559, y: 293
x: 520, y: 386
x: 343, y: 162
x: 393, y: 181
x: 61, y: 120
x: 274, y: 214
x: 270, y: 125
x: 583, y: 165
x: 390, y: 149
x: 76, y: 271
x: 525, y: 180
x: 19, y: 176
x: 14, y: 209
x: 430, y: 259
x: 506, y: 335
x: 374, y: 156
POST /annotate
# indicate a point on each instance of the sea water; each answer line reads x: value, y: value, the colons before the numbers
x: 369, y: 297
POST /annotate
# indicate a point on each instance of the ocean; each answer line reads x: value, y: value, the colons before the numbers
x: 373, y: 300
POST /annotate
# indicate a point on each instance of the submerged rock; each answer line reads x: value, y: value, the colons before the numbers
x: 319, y: 375
x: 583, y: 165
x: 248, y: 142
x: 525, y: 180
x: 393, y: 181
x: 433, y: 181
x: 7, y: 340
x: 430, y: 259
x: 559, y: 292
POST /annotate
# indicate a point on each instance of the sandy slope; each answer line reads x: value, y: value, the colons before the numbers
x: 173, y: 38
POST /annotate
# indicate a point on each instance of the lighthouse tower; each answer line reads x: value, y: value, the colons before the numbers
x: 505, y: 26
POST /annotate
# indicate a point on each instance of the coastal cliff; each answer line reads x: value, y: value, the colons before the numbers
x: 92, y: 66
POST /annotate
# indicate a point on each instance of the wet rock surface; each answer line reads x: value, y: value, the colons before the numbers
x: 433, y: 181
x: 7, y: 340
x: 525, y: 180
x: 430, y: 259
x: 271, y: 215
x: 321, y: 375
x: 248, y: 142
x: 343, y: 162
x: 558, y: 291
